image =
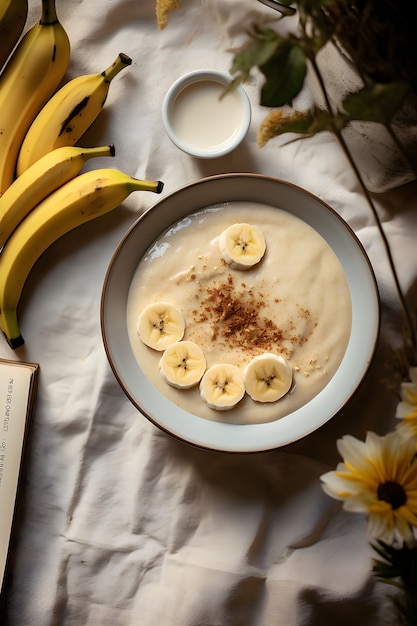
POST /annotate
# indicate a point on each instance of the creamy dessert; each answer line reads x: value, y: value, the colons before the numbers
x: 288, y: 312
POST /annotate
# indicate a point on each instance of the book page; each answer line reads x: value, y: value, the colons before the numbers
x: 16, y: 382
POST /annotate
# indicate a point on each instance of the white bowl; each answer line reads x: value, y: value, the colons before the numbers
x: 222, y: 436
x: 200, y: 119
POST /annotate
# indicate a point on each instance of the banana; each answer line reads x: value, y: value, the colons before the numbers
x: 83, y: 198
x: 33, y: 72
x: 267, y: 377
x: 182, y: 364
x: 68, y: 114
x: 160, y: 324
x: 222, y: 386
x: 42, y: 178
x: 242, y: 246
x: 13, y: 15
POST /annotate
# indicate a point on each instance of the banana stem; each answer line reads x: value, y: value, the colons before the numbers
x: 122, y: 61
x: 136, y: 184
x: 49, y: 15
x: 108, y: 150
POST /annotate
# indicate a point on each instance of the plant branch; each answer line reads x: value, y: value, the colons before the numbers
x: 339, y: 136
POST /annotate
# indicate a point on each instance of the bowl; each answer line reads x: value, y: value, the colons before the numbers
x: 201, y: 119
x: 222, y: 436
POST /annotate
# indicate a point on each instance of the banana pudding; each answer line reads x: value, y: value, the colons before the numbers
x: 240, y: 312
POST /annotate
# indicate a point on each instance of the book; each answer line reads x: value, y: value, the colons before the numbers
x: 18, y: 385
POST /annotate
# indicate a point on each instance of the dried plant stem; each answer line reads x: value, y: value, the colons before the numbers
x: 407, y: 315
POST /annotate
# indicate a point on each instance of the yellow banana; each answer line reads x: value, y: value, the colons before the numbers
x: 32, y: 74
x: 82, y: 199
x: 68, y: 114
x: 41, y: 179
x: 13, y: 15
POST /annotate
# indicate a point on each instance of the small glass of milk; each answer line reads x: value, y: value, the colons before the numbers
x: 202, y: 119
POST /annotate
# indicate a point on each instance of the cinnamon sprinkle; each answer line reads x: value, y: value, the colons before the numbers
x: 235, y: 315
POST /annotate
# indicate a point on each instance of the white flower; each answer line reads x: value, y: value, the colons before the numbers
x: 407, y: 408
x: 377, y: 477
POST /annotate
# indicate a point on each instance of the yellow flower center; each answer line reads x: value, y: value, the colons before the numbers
x: 393, y: 493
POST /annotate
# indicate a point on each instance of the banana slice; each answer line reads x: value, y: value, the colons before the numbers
x: 182, y: 364
x: 160, y: 324
x: 242, y: 246
x: 267, y: 377
x: 222, y: 386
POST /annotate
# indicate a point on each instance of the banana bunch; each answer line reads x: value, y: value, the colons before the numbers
x: 68, y: 114
x: 43, y: 193
x: 29, y: 78
x: 80, y: 200
x: 45, y: 176
x: 13, y: 14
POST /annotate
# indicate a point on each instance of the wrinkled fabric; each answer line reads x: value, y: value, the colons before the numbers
x: 119, y: 524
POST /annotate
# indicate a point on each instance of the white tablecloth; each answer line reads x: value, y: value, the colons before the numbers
x: 119, y: 524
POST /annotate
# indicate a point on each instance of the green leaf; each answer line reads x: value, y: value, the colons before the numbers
x: 377, y: 103
x: 385, y: 571
x: 397, y: 562
x: 400, y: 563
x: 315, y: 27
x: 260, y: 47
x: 284, y: 72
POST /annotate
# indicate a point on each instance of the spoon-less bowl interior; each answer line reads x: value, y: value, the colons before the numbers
x: 217, y: 435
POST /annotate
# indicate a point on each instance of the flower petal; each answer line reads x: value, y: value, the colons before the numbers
x: 336, y: 486
x: 352, y: 450
x: 366, y: 468
x: 380, y: 527
x: 356, y: 505
x: 405, y: 409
